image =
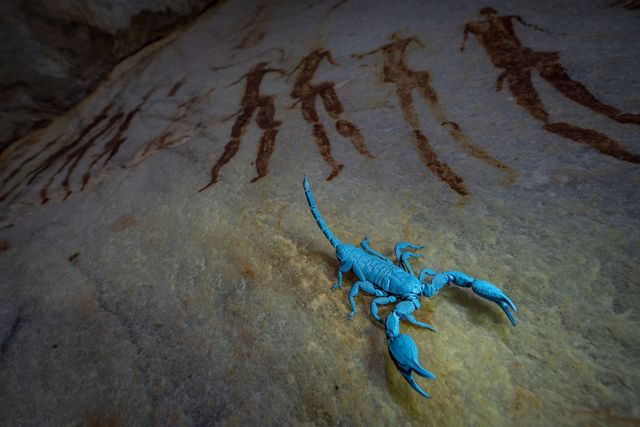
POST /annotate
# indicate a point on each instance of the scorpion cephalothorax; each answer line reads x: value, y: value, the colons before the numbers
x: 389, y: 283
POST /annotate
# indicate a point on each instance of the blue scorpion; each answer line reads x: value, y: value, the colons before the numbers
x: 389, y: 283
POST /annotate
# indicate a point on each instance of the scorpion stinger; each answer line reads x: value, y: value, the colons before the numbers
x: 390, y: 283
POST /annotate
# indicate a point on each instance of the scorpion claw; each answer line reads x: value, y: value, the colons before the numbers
x: 414, y: 384
x: 505, y: 308
x: 492, y: 293
x: 404, y: 353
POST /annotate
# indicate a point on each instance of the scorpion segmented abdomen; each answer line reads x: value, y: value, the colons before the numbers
x: 378, y: 272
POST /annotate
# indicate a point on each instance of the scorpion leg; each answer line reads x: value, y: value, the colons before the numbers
x: 404, y: 260
x: 404, y: 310
x: 365, y: 286
x: 404, y: 353
x: 342, y: 269
x: 380, y: 301
x: 404, y: 256
x: 365, y: 245
x: 401, y: 245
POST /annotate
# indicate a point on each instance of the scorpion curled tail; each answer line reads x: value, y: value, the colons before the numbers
x: 316, y: 214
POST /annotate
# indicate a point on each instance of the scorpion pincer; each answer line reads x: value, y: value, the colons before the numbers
x: 390, y: 283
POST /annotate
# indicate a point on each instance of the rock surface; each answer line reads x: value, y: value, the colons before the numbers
x: 130, y: 297
x: 55, y: 53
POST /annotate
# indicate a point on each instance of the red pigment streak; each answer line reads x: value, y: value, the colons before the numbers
x: 251, y: 102
x: 497, y: 36
x: 305, y: 93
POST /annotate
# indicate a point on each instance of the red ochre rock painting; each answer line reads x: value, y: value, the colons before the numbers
x: 59, y: 160
x: 497, y: 36
x: 305, y: 93
x: 71, y: 164
x: 406, y: 80
x: 252, y: 101
x: 66, y: 157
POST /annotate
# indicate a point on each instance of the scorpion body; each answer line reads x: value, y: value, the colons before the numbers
x: 390, y: 283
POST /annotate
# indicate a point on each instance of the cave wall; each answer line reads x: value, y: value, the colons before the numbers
x: 55, y: 53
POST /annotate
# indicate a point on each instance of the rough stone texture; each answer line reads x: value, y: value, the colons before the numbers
x: 55, y: 52
x: 129, y: 297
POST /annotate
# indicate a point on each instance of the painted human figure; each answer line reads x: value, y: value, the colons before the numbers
x: 406, y: 80
x: 305, y: 92
x: 251, y: 102
x: 72, y: 154
x: 497, y: 35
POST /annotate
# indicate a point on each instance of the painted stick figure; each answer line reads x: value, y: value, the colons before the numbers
x: 74, y: 153
x: 396, y: 71
x: 265, y: 119
x: 496, y: 34
x: 306, y: 93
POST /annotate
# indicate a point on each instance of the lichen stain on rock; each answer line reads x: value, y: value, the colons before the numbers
x: 107, y: 420
x: 247, y: 269
x: 123, y: 222
x: 524, y: 401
